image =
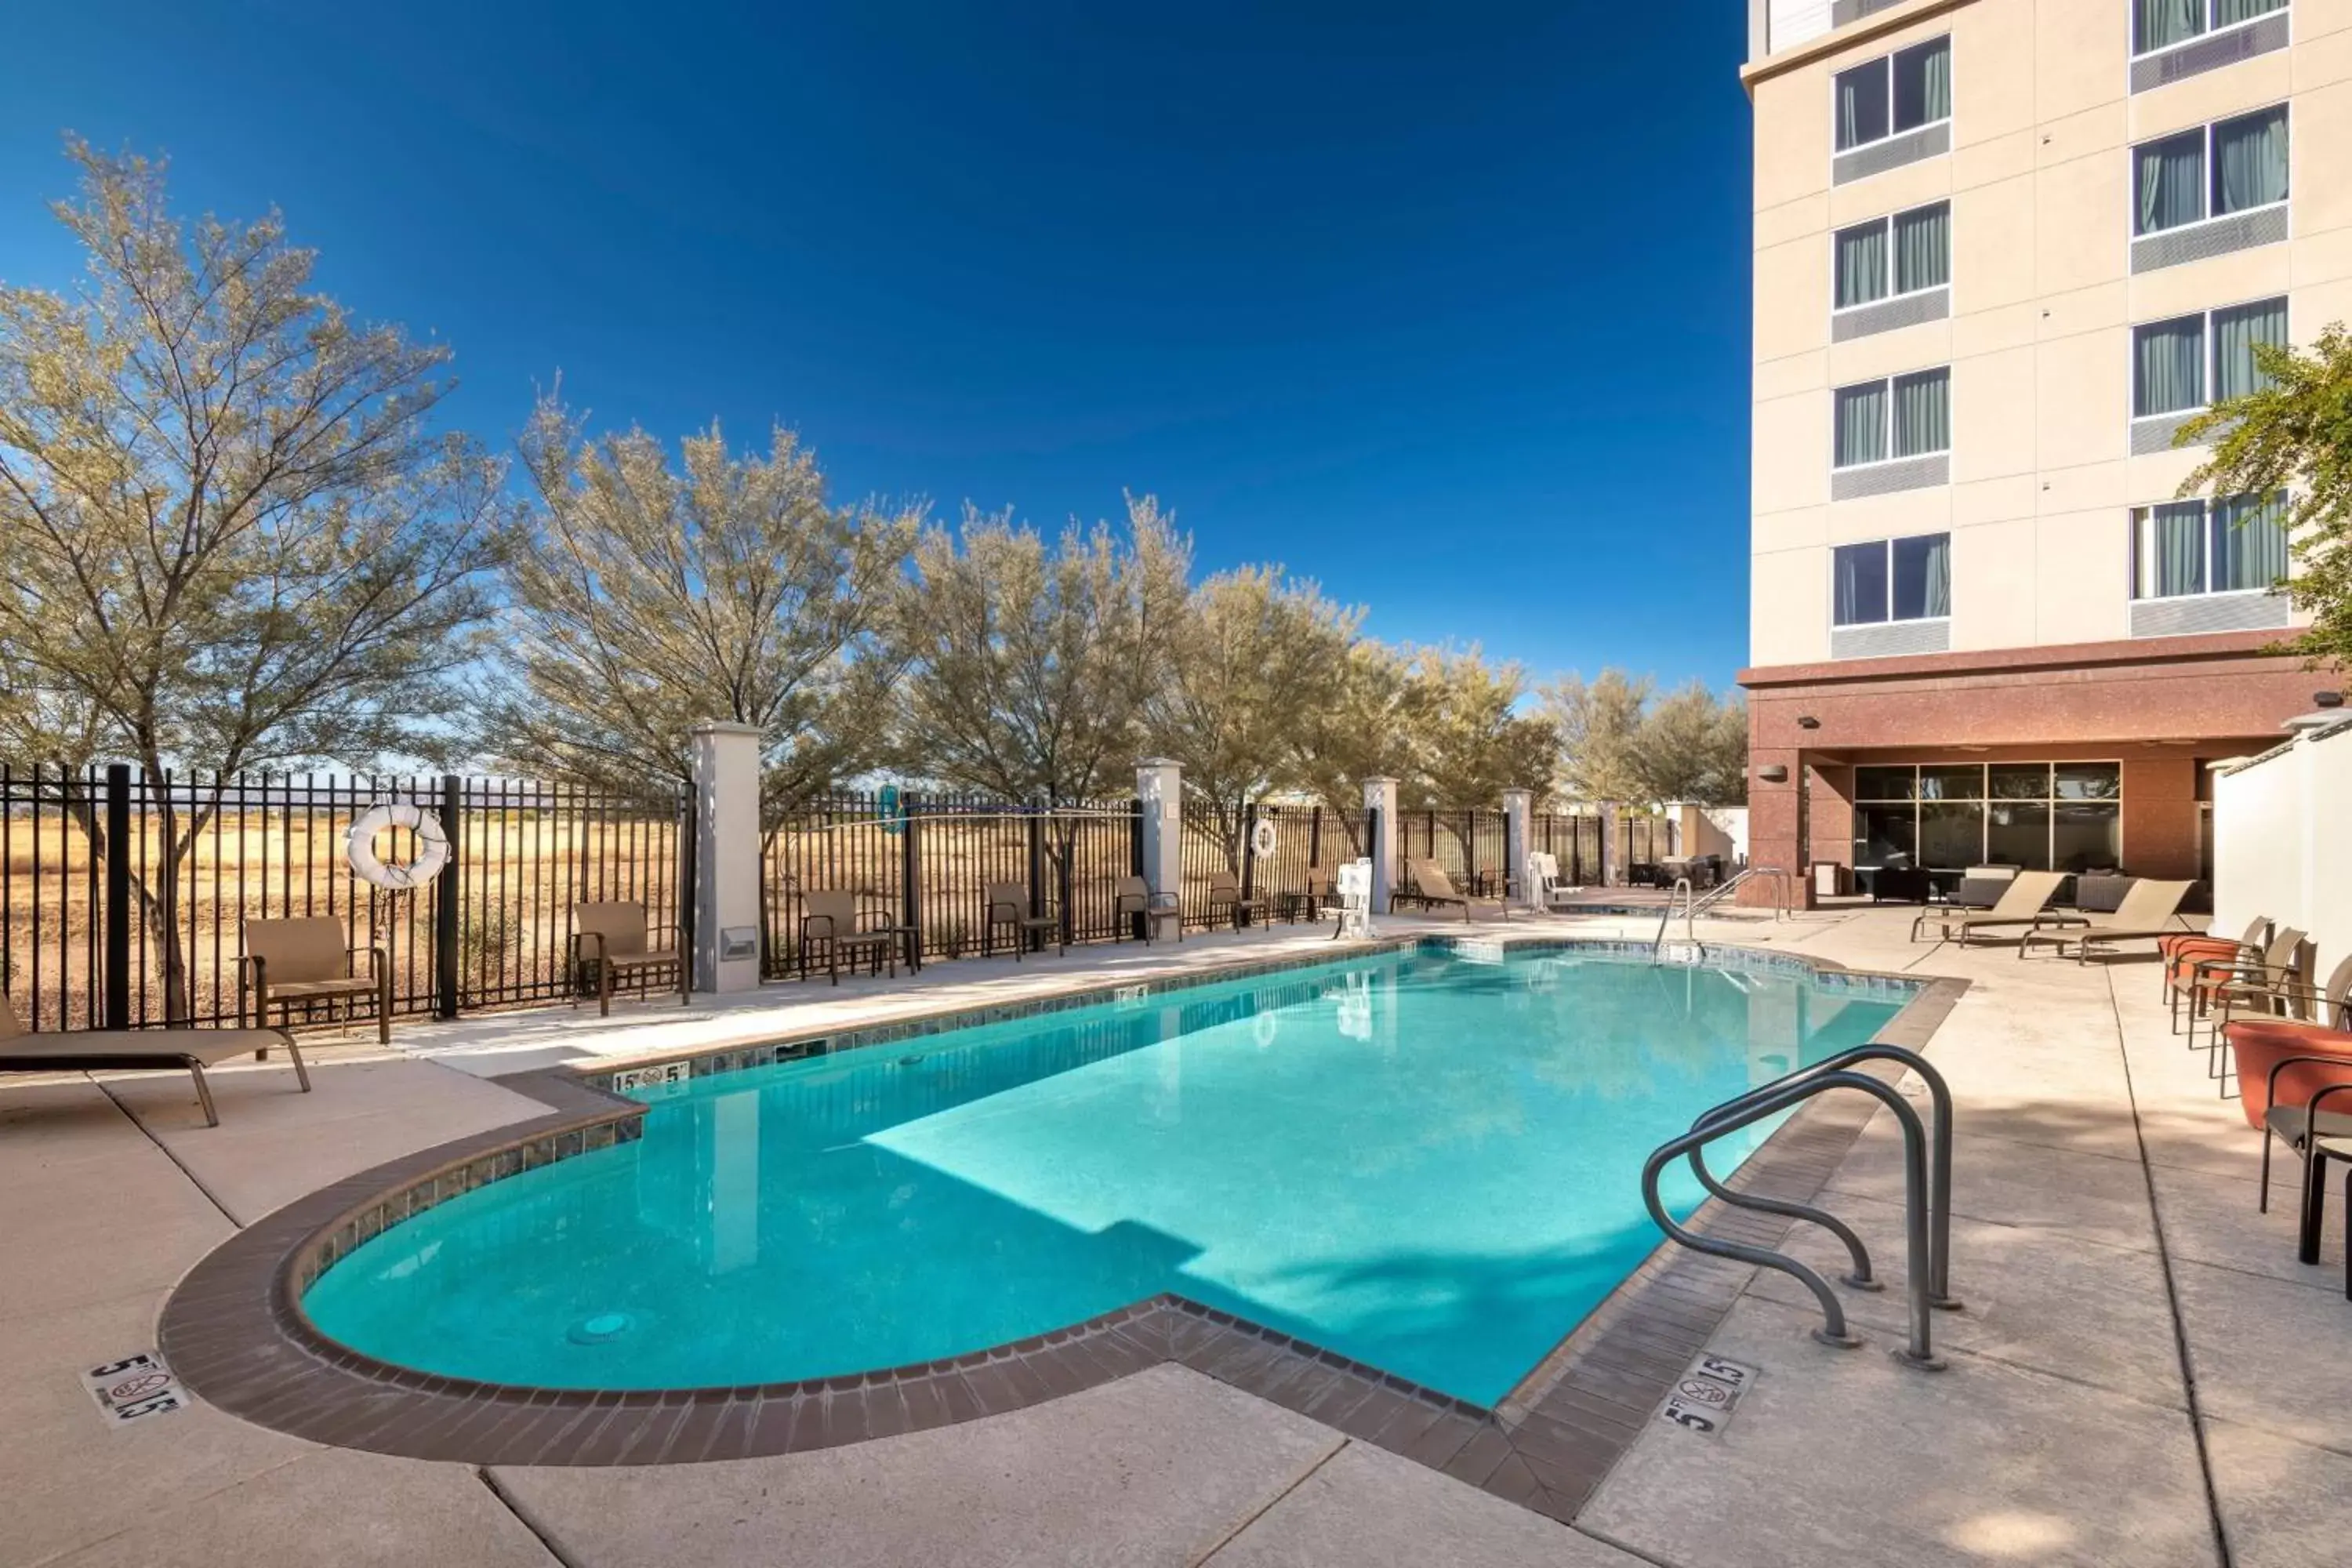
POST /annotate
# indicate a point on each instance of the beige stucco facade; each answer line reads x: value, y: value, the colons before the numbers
x: 2042, y: 302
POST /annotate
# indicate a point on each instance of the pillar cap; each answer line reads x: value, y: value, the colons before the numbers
x: 1158, y: 762
x: 723, y: 727
x: 1379, y: 778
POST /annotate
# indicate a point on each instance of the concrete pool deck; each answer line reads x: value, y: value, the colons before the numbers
x: 2105, y: 1228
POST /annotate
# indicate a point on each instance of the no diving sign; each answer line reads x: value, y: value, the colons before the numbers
x: 1705, y: 1397
x: 134, y: 1388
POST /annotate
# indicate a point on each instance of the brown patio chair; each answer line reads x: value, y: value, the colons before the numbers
x: 615, y: 935
x: 305, y: 959
x: 1320, y: 893
x: 2024, y: 901
x: 1007, y: 904
x: 2146, y: 914
x: 134, y: 1050
x: 831, y: 918
x: 1225, y: 893
x: 1132, y: 898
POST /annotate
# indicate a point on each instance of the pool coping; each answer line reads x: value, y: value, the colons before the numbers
x: 234, y: 1331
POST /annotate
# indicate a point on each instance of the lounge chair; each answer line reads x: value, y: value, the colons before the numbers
x: 830, y: 918
x: 616, y: 937
x: 2146, y: 914
x: 1225, y: 893
x: 1320, y: 893
x: 1132, y: 899
x: 305, y: 959
x: 1007, y: 904
x: 2024, y: 901
x: 1434, y: 890
x: 125, y: 1051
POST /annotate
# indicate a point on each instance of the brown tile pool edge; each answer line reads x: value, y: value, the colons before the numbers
x: 234, y: 1333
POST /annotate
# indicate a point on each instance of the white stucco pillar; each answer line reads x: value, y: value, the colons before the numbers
x: 1160, y: 784
x: 726, y: 857
x: 1519, y: 815
x: 1381, y: 801
x: 1609, y: 866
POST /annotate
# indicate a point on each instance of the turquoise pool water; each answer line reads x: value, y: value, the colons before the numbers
x: 1426, y: 1164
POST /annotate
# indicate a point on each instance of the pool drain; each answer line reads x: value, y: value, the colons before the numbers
x: 602, y: 1326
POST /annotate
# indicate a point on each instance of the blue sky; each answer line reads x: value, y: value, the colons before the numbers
x: 1444, y: 305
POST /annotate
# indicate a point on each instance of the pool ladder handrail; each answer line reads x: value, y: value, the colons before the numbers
x: 1694, y: 905
x: 1927, y: 1192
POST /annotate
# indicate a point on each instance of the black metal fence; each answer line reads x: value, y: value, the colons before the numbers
x: 123, y: 898
x: 927, y: 861
x: 1471, y: 846
x: 1574, y: 839
x: 1309, y: 843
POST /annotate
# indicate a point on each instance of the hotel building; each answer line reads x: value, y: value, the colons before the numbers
x: 2003, y: 249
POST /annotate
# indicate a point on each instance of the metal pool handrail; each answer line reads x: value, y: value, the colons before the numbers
x: 1939, y: 1167
x: 1693, y: 906
x: 1781, y: 1094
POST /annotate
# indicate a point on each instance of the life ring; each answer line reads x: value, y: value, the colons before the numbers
x: 1262, y: 838
x: 432, y: 847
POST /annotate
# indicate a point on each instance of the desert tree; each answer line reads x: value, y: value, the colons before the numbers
x: 2293, y: 434
x: 1468, y: 739
x: 1255, y: 657
x: 1029, y: 664
x: 233, y: 540
x: 642, y: 595
x: 1355, y: 728
x: 1620, y: 740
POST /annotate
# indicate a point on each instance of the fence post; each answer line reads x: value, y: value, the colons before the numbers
x: 1160, y: 783
x: 726, y: 857
x: 1036, y: 877
x: 1519, y: 807
x: 1380, y: 834
x: 910, y: 872
x: 446, y: 893
x: 1138, y: 925
x: 118, y: 898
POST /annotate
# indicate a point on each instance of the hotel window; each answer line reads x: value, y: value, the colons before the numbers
x: 2182, y: 367
x: 1901, y: 416
x: 2161, y: 24
x: 1906, y: 254
x: 1891, y: 579
x: 2039, y: 817
x: 1894, y: 94
x: 2236, y: 545
x: 2229, y: 166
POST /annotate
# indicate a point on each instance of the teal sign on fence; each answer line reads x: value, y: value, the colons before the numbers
x: 892, y: 819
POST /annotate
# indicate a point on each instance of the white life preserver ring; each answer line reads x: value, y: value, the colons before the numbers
x: 432, y: 847
x: 1262, y: 838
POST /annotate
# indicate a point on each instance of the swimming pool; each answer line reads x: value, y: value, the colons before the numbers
x: 1427, y: 1163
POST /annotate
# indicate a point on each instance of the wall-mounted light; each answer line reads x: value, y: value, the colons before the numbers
x: 2327, y: 700
x: 1773, y: 772
x: 1807, y: 721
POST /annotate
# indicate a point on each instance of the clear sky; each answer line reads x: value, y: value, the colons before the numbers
x: 1445, y: 304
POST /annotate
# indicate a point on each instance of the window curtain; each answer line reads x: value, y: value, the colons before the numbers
x: 2235, y: 333
x: 1923, y: 248
x: 1861, y: 105
x: 2162, y: 22
x: 2172, y: 550
x: 1862, y: 264
x: 1923, y: 413
x: 1861, y: 571
x: 1939, y: 576
x: 2168, y: 366
x: 2226, y: 12
x: 1861, y: 424
x: 2171, y: 181
x: 1922, y: 85
x: 2251, y: 155
x: 2249, y: 542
